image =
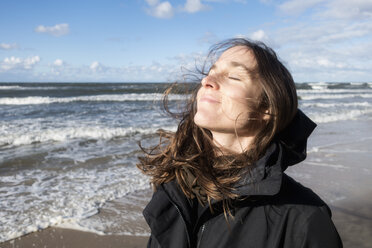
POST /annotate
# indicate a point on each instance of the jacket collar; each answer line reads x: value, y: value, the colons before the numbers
x: 264, y: 177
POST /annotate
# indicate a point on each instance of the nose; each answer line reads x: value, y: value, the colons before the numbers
x: 210, y: 82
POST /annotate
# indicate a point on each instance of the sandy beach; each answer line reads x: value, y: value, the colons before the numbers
x: 58, y: 238
x: 353, y: 221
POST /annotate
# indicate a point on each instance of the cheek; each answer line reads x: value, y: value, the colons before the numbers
x: 199, y: 94
x: 236, y: 101
x: 239, y: 107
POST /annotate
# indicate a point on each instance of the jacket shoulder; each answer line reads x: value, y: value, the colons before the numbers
x: 292, y: 193
x: 308, y: 216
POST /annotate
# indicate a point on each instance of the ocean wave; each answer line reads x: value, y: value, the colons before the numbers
x: 98, y: 98
x: 9, y: 87
x: 347, y: 115
x: 333, y: 91
x: 17, y: 87
x: 71, y: 133
x: 125, y: 217
x: 324, y: 85
x: 36, y: 199
x: 332, y: 96
x: 332, y: 105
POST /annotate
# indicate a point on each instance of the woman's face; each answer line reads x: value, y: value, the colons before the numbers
x: 226, y: 98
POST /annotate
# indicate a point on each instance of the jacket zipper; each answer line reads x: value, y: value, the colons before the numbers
x: 184, y: 223
x: 201, y: 235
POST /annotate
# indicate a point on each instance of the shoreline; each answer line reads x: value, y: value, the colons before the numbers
x: 337, y: 169
x: 352, y: 218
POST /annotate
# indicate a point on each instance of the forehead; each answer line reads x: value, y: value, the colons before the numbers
x: 238, y: 55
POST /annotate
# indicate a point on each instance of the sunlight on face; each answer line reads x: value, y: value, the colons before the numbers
x: 228, y: 96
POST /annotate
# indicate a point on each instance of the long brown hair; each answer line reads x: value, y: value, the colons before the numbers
x: 190, y: 149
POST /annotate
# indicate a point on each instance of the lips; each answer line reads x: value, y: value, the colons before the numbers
x: 209, y: 98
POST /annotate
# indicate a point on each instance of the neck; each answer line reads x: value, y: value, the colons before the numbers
x: 230, y: 143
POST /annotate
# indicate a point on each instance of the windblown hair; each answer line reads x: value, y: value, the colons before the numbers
x: 190, y: 149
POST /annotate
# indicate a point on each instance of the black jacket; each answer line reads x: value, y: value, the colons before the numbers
x: 278, y: 212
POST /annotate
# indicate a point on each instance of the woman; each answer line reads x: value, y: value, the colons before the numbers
x: 219, y: 179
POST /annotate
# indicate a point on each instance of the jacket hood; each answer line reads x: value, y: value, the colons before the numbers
x: 288, y: 147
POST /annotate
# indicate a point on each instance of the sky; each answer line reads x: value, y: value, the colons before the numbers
x: 155, y: 40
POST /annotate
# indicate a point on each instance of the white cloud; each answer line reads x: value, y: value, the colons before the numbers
x: 5, y: 46
x: 185, y: 65
x: 296, y: 7
x: 28, y: 63
x: 332, y: 45
x: 193, y: 6
x: 332, y: 51
x: 12, y: 63
x: 56, y: 30
x: 58, y: 62
x: 163, y: 10
x: 241, y: 36
x: 58, y: 67
x: 302, y: 60
x: 330, y: 32
x: 259, y: 35
x: 346, y: 9
x: 340, y: 9
x: 324, y: 63
x: 96, y: 66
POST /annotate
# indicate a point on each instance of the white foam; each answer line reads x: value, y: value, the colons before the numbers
x: 325, y: 90
x: 336, y: 116
x: 73, y: 225
x: 333, y: 96
x: 329, y: 147
x: 336, y: 166
x: 337, y: 198
x: 36, y: 199
x: 318, y: 86
x: 99, y: 98
x: 324, y: 85
x: 99, y: 226
x: 332, y: 105
x: 9, y: 87
x: 21, y: 137
x: 17, y: 87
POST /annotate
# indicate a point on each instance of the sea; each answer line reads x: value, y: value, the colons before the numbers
x: 68, y: 151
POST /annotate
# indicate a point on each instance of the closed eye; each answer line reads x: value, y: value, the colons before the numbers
x: 234, y: 78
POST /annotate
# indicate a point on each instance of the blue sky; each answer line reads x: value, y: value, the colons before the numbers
x: 151, y: 40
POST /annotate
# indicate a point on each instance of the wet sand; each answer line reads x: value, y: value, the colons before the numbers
x: 59, y: 238
x: 353, y: 221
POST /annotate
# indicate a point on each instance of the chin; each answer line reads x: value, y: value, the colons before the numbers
x: 202, y: 122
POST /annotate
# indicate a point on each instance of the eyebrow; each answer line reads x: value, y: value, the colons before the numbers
x: 235, y: 64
